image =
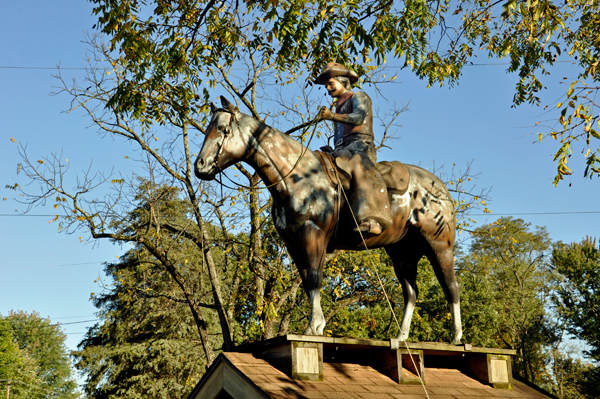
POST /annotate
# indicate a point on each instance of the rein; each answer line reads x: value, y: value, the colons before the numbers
x: 226, y: 135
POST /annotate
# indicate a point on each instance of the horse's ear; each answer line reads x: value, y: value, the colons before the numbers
x: 224, y: 102
x: 227, y: 105
x: 213, y: 108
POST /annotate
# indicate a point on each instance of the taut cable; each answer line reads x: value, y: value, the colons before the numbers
x: 384, y: 292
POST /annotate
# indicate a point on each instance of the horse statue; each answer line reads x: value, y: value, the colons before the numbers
x: 311, y: 215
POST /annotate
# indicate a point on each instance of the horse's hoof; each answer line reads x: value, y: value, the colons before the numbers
x: 457, y: 339
x: 310, y: 331
x: 402, y: 337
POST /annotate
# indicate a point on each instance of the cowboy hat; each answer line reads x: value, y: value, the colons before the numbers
x: 333, y: 69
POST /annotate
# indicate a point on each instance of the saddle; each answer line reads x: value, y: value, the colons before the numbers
x: 394, y: 173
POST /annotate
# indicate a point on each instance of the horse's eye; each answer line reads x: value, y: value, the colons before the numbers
x: 221, y: 128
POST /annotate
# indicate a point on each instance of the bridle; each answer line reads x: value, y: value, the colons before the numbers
x: 226, y: 132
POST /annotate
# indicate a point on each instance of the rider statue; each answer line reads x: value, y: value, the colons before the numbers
x: 355, y: 149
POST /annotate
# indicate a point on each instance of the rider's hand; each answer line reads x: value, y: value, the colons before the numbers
x: 327, y: 149
x: 326, y: 113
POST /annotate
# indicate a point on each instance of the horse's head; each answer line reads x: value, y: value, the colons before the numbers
x: 223, y: 145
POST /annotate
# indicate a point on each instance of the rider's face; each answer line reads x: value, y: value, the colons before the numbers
x: 335, y: 88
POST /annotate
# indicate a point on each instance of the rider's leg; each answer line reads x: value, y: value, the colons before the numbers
x: 369, y: 197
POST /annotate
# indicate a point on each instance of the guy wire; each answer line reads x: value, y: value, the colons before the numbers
x: 383, y: 289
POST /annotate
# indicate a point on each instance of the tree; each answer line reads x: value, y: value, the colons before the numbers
x: 45, y: 343
x: 18, y: 371
x: 577, y: 299
x: 33, y: 357
x: 174, y: 48
x: 510, y: 262
x: 571, y: 377
x: 147, y: 344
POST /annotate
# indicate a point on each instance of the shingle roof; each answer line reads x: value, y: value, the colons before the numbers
x: 353, y: 381
x: 295, y: 366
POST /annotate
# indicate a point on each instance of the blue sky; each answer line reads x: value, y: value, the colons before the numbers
x: 52, y: 273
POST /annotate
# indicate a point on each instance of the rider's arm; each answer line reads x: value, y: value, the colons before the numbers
x: 361, y: 104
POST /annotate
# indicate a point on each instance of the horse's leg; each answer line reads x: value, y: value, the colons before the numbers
x: 410, y: 292
x: 434, y: 218
x: 309, y: 258
x: 443, y: 266
x: 405, y: 258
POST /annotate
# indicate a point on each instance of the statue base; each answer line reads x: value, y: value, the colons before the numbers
x: 301, y: 357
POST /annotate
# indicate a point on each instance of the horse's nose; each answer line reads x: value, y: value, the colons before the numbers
x: 199, y: 167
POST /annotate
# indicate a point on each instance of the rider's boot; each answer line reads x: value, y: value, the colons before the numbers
x: 369, y: 226
x: 370, y: 203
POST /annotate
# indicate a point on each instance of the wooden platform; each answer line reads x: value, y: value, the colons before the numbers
x: 362, y: 343
x: 302, y: 356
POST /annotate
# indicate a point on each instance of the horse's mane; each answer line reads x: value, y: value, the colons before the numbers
x: 262, y: 127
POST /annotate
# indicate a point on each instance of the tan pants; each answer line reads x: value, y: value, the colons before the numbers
x: 368, y: 192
